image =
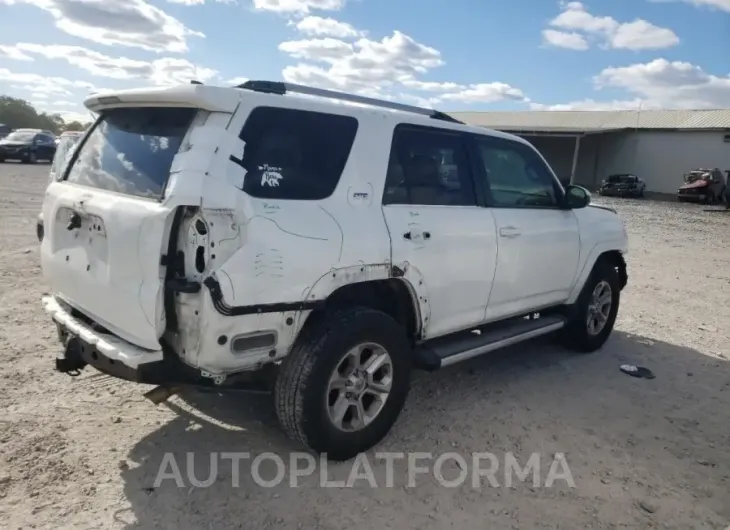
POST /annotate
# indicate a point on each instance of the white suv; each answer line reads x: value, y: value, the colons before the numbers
x: 232, y: 236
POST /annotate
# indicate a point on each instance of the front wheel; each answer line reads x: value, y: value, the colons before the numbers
x: 592, y: 317
x: 345, y: 382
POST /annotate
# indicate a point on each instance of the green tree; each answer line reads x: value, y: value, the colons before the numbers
x: 18, y: 113
x: 76, y: 126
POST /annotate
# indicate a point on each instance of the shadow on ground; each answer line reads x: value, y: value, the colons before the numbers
x: 634, y: 446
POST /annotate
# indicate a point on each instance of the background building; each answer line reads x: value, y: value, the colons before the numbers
x: 656, y: 145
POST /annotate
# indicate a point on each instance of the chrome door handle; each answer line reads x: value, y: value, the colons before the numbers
x: 509, y: 232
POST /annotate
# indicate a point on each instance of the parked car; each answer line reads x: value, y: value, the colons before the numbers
x: 28, y: 145
x: 702, y: 185
x: 622, y: 185
x: 175, y: 256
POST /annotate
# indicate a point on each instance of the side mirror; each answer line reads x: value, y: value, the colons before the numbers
x: 577, y: 197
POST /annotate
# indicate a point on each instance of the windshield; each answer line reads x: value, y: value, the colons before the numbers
x: 697, y: 175
x: 621, y: 178
x: 20, y: 136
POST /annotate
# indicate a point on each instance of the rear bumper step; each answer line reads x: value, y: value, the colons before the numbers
x: 110, y: 355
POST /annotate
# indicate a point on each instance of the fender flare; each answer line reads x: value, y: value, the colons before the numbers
x: 597, y: 250
x: 407, y: 274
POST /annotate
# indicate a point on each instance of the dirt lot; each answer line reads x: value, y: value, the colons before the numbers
x: 84, y: 453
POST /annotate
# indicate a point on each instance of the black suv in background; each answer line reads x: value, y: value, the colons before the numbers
x: 28, y: 145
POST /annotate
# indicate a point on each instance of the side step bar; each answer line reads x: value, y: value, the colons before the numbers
x: 445, y: 351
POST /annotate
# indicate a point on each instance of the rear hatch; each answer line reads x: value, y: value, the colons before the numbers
x: 109, y: 215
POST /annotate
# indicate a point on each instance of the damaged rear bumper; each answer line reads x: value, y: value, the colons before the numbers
x: 113, y: 356
x: 84, y: 346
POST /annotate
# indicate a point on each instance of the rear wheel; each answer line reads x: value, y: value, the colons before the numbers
x: 594, y: 313
x: 345, y: 382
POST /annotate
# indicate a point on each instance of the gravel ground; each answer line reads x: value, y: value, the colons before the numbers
x: 85, y: 452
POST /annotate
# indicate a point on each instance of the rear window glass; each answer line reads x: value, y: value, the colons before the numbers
x: 64, y: 150
x: 295, y: 154
x: 130, y: 150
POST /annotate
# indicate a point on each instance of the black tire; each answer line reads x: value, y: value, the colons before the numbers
x: 301, y: 389
x: 575, y: 334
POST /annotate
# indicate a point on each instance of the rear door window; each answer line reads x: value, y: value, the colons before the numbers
x: 130, y: 150
x: 294, y: 154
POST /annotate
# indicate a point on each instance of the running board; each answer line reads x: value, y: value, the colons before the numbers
x: 452, y: 349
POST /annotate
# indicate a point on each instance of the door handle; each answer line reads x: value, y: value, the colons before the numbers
x: 509, y: 232
x: 410, y: 236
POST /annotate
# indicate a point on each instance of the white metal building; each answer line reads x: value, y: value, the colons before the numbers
x: 587, y: 146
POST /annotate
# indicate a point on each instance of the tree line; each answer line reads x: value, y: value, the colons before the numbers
x: 19, y: 114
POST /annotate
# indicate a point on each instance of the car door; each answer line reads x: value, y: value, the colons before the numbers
x: 538, y: 240
x: 436, y: 227
x: 41, y: 146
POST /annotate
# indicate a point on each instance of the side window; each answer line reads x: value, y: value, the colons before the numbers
x: 516, y: 176
x: 294, y: 154
x: 428, y: 167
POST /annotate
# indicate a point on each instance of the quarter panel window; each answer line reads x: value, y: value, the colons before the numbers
x: 295, y: 154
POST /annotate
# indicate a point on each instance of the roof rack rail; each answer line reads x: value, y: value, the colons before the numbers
x: 278, y: 87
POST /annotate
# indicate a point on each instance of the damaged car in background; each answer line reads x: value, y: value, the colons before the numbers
x: 702, y: 185
x: 622, y: 185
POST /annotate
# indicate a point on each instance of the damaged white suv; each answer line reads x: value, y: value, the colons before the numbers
x: 227, y: 237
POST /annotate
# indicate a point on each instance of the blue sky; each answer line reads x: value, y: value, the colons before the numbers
x: 457, y: 55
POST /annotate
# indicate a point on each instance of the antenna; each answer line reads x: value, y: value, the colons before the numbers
x: 279, y: 88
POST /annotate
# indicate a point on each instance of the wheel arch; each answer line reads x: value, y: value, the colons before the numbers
x: 395, y: 297
x: 600, y: 253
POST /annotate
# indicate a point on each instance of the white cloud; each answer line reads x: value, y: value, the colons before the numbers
x: 10, y: 52
x: 359, y: 65
x: 485, y: 93
x: 200, y: 2
x: 722, y: 5
x: 165, y: 71
x: 326, y: 27
x: 656, y: 84
x: 131, y: 23
x: 42, y: 84
x: 381, y: 68
x: 298, y: 6
x: 321, y: 50
x: 675, y: 84
x: 235, y: 81
x: 564, y: 39
x: 576, y: 27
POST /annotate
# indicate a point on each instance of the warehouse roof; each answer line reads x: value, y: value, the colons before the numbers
x: 587, y: 121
